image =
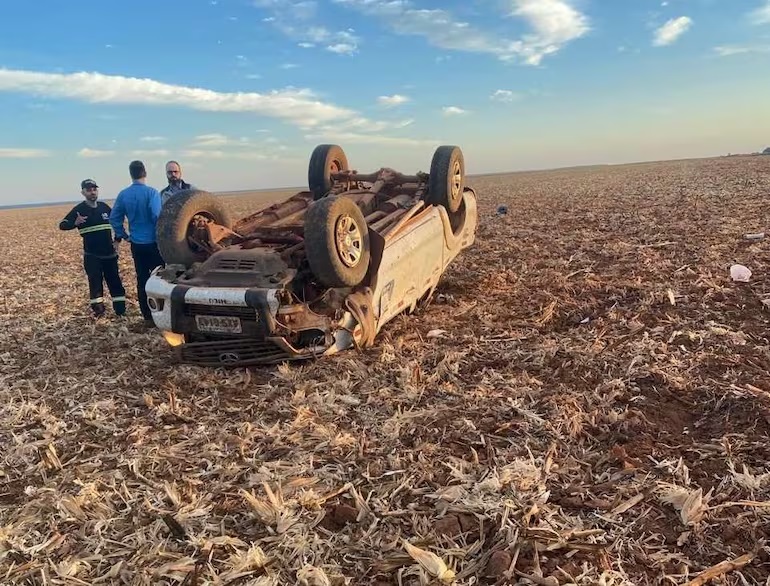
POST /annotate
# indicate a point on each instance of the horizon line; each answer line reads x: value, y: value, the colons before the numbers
x: 43, y: 204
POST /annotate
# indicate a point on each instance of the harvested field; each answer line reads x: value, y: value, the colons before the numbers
x: 585, y: 401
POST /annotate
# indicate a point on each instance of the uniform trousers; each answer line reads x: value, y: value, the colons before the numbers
x: 100, y: 270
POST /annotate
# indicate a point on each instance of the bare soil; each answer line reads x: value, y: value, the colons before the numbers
x: 586, y: 400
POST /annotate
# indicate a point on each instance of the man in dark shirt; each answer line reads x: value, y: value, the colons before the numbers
x: 100, y: 257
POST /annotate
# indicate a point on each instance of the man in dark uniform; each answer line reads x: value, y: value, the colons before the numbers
x: 100, y: 257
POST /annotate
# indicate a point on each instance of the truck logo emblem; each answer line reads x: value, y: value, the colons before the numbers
x: 229, y: 357
x: 214, y: 301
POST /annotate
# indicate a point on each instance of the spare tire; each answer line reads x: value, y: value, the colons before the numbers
x: 446, y: 181
x: 325, y: 160
x: 174, y: 224
x: 337, y: 242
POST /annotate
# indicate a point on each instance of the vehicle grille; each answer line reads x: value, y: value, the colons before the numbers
x: 232, y: 353
x: 237, y: 264
x: 245, y: 313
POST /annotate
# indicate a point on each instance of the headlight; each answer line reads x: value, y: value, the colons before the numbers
x: 173, y: 338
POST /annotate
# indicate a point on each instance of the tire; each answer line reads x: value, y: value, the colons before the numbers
x: 174, y: 222
x: 446, y: 182
x: 325, y: 256
x: 326, y: 158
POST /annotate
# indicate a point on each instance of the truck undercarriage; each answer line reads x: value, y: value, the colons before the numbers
x: 315, y: 274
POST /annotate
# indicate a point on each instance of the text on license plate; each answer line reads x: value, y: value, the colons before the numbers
x: 223, y: 324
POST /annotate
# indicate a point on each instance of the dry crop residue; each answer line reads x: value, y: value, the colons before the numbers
x: 585, y: 401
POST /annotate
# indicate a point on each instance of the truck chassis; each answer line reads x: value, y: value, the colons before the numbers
x: 320, y: 272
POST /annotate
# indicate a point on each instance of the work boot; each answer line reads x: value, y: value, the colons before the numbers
x: 98, y: 309
x: 119, y: 307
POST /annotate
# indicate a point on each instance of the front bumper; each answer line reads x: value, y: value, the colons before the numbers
x: 242, y: 352
x: 180, y: 312
x: 176, y: 308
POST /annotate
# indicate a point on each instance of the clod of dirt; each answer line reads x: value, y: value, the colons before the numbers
x: 468, y: 522
x: 345, y: 514
x: 498, y: 564
x: 449, y: 526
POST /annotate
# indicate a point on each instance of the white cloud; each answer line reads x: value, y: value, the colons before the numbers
x: 365, y: 125
x: 333, y: 135
x: 671, y: 31
x: 87, y: 153
x: 150, y: 153
x: 504, y: 96
x: 289, y: 66
x: 342, y: 48
x: 295, y: 20
x: 297, y: 106
x: 220, y: 146
x: 212, y: 140
x: 453, y: 111
x: 9, y: 153
x: 219, y: 140
x: 296, y: 8
x: 220, y: 154
x: 730, y: 50
x: 394, y: 100
x: 554, y: 22
x: 153, y: 138
x: 761, y: 15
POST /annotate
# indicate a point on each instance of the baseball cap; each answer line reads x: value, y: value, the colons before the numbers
x: 88, y: 183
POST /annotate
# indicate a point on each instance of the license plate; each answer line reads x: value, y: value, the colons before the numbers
x: 220, y: 324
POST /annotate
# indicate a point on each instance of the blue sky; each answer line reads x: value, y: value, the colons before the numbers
x: 240, y: 91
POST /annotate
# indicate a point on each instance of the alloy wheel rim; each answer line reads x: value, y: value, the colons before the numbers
x: 349, y: 242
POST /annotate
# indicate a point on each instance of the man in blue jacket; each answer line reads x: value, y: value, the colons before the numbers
x: 141, y: 204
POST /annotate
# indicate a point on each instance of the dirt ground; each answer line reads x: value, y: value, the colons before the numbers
x: 585, y: 401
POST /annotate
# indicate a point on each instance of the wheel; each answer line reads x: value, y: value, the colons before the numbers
x: 325, y: 160
x: 337, y: 241
x: 174, y: 224
x: 447, y: 178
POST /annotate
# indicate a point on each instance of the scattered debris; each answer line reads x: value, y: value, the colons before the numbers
x: 740, y: 273
x: 436, y: 334
x: 755, y: 237
x: 721, y: 569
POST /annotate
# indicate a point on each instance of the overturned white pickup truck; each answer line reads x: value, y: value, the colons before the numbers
x: 320, y: 272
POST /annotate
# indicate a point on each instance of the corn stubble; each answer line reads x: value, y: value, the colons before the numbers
x: 585, y: 401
